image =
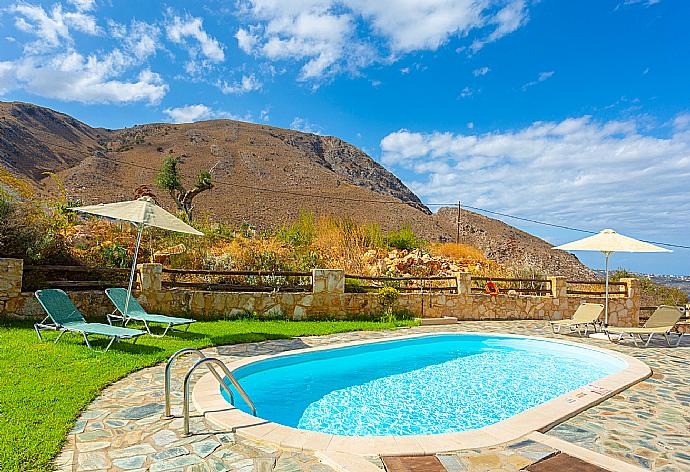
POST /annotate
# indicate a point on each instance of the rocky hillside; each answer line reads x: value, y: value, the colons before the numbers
x: 510, y: 246
x: 34, y: 140
x: 263, y: 175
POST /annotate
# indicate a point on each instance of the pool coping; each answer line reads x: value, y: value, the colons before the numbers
x: 209, y: 401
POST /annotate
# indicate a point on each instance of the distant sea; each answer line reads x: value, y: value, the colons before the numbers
x: 681, y: 282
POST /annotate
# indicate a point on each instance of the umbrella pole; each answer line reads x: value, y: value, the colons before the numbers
x: 134, y: 269
x: 606, y: 316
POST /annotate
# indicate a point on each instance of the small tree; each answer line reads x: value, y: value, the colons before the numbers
x: 168, y: 178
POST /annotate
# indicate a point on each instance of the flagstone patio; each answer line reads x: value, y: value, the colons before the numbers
x: 124, y: 429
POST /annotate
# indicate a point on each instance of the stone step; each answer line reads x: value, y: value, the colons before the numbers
x: 344, y: 462
x: 446, y: 320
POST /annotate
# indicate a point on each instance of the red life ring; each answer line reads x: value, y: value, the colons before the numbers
x: 491, y: 289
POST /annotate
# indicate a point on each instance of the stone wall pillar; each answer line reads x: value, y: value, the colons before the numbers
x: 11, y: 271
x: 328, y: 280
x: 559, y: 292
x: 464, y: 281
x: 634, y: 301
x: 151, y: 277
x: 559, y: 287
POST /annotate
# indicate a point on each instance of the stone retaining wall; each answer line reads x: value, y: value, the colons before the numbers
x: 327, y: 300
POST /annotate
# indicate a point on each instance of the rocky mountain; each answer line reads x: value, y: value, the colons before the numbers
x: 263, y: 175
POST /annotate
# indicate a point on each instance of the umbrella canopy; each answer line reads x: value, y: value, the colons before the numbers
x: 608, y: 241
x: 141, y: 212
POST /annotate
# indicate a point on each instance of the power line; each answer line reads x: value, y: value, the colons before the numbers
x: 400, y: 202
x: 570, y: 228
x: 383, y: 202
x: 529, y: 220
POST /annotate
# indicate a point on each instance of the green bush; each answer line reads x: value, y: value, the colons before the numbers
x: 301, y: 232
x: 403, y: 238
x: 5, y: 209
x: 29, y: 234
x: 115, y: 255
x: 354, y: 286
x: 388, y: 297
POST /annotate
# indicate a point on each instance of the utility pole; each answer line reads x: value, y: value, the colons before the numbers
x: 457, y: 237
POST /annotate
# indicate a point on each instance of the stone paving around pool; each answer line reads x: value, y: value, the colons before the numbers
x: 647, y: 425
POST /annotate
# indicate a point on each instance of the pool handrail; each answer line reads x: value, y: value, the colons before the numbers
x: 168, y: 367
x: 228, y: 374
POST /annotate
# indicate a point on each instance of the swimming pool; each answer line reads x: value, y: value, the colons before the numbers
x: 425, y: 385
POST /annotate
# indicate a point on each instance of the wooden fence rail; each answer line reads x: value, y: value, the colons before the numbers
x: 402, y: 284
x: 582, y: 287
x: 59, y: 268
x: 258, y: 273
x: 382, y: 277
x: 238, y: 280
x: 222, y: 287
x: 538, y: 287
x: 73, y: 278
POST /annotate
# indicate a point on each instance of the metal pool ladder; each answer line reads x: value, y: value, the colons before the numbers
x: 210, y: 362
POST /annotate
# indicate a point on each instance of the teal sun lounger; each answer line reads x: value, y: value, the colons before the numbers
x: 135, y: 312
x: 63, y: 316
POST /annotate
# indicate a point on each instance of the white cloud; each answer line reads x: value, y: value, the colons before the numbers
x: 52, y: 27
x: 305, y: 126
x: 199, y: 112
x: 52, y: 67
x: 481, y: 71
x: 315, y: 36
x: 84, y: 5
x: 49, y: 27
x: 681, y: 122
x: 246, y: 41
x: 324, y: 35
x: 411, y: 25
x: 248, y: 83
x: 577, y: 171
x: 7, y: 79
x: 508, y: 19
x: 466, y: 92
x: 181, y: 30
x: 540, y: 78
x: 189, y: 113
x: 73, y: 77
x: 141, y: 39
x: 83, y: 22
x: 646, y: 3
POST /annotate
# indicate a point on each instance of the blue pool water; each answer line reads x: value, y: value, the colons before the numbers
x: 426, y: 385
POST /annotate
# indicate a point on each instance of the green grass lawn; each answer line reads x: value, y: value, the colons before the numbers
x: 44, y: 386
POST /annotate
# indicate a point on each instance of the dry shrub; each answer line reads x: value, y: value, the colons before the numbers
x: 342, y: 242
x: 458, y: 251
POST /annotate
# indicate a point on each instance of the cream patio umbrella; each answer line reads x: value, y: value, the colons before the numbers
x: 608, y: 242
x: 141, y: 213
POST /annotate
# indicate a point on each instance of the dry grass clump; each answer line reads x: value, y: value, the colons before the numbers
x: 458, y: 252
x: 342, y: 243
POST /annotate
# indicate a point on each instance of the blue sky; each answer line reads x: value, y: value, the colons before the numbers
x: 576, y: 113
